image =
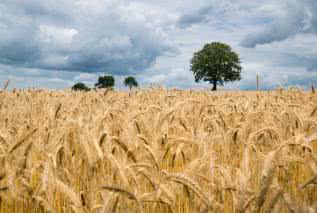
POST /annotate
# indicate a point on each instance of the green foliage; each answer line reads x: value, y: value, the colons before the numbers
x: 80, y: 87
x: 216, y: 63
x: 105, y: 82
x: 130, y: 82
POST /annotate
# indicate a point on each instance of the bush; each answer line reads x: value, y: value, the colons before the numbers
x: 80, y: 87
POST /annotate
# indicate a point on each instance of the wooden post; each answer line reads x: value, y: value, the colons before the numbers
x: 257, y: 82
x: 6, y: 84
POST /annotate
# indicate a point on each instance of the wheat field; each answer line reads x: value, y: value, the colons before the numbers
x: 157, y: 150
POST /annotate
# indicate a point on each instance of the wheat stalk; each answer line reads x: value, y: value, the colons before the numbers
x: 266, y: 178
x: 191, y: 184
x: 123, y: 192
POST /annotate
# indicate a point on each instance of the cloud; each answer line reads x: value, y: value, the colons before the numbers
x: 86, y: 78
x: 56, y: 43
x: 226, y: 12
x: 211, y: 11
x: 296, y: 60
x: 299, y: 17
x: 196, y: 16
x: 94, y: 36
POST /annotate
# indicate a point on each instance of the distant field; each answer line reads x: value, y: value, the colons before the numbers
x: 158, y: 151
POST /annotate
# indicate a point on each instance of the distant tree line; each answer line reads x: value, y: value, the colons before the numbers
x: 216, y: 63
x: 107, y: 82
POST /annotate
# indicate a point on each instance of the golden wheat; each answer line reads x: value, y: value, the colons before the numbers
x: 158, y: 150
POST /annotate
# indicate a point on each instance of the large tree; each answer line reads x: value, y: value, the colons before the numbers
x: 216, y: 63
x: 130, y: 82
x: 105, y: 82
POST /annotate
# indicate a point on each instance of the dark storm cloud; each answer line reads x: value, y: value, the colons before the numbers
x: 79, y: 36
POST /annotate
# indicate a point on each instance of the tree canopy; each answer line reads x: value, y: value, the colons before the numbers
x: 216, y: 63
x: 80, y: 87
x: 130, y: 82
x: 105, y: 82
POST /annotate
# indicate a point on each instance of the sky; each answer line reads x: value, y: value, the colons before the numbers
x: 56, y: 43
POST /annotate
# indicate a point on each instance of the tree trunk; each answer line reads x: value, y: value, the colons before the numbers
x: 214, y: 87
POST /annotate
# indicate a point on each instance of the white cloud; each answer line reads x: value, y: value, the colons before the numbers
x: 53, y: 35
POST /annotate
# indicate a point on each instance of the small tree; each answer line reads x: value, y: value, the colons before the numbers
x: 80, y: 87
x: 105, y: 82
x: 130, y: 82
x: 216, y: 63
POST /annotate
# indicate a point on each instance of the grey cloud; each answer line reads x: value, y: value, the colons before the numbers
x: 299, y: 61
x: 55, y: 43
x: 106, y: 36
x: 313, y: 16
x: 302, y: 81
x: 278, y: 31
x: 194, y: 17
x: 17, y: 39
x: 299, y: 17
x: 222, y: 13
